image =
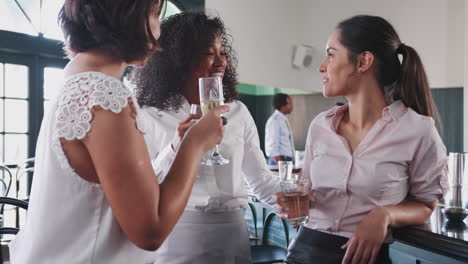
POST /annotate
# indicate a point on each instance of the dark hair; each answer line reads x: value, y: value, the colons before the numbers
x: 406, y: 81
x: 117, y: 27
x: 280, y: 100
x: 184, y: 37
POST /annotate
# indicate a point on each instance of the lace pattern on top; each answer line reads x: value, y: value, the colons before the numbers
x: 73, y: 114
x: 80, y: 93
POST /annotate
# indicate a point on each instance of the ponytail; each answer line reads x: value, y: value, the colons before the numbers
x: 413, y: 85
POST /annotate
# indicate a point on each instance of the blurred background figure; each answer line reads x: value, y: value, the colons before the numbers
x: 279, y: 143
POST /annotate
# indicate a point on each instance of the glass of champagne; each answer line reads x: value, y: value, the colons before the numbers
x: 211, y: 96
x: 195, y: 109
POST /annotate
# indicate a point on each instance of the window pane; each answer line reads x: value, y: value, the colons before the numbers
x: 16, y: 81
x: 13, y: 19
x: 16, y: 116
x: 2, y: 138
x: 33, y: 10
x: 16, y: 148
x: 171, y: 10
x: 53, y: 77
x: 6, y: 177
x: 50, y: 28
x: 1, y: 79
x: 1, y: 116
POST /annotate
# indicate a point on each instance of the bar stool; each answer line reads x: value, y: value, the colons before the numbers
x: 275, y: 241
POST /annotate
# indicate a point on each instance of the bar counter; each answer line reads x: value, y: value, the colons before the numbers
x: 438, y: 241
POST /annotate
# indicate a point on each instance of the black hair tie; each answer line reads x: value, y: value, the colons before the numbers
x: 401, y: 48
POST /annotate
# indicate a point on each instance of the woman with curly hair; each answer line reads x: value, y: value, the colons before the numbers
x: 212, y: 228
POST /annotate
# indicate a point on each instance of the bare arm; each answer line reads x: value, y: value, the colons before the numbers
x: 406, y: 213
x: 365, y: 243
x: 145, y: 210
x: 260, y: 180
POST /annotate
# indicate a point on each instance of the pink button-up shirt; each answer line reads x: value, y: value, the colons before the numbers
x: 401, y: 156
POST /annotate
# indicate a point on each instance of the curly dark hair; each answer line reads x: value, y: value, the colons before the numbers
x: 183, y: 38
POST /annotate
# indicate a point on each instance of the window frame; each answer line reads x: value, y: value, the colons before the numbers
x: 36, y: 64
x: 37, y: 53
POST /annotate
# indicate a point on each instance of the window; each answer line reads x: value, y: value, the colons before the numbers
x: 31, y: 17
x: 171, y: 9
x: 52, y: 80
x: 13, y: 18
x: 14, y: 105
x: 49, y: 14
x: 31, y: 70
x: 35, y: 17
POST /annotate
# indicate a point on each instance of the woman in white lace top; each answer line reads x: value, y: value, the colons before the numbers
x: 95, y: 197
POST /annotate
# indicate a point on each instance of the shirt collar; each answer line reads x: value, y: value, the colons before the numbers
x: 279, y: 113
x: 337, y: 110
x: 395, y: 110
x: 335, y: 114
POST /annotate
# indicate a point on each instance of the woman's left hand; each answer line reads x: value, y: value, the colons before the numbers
x: 364, y: 245
x: 182, y: 129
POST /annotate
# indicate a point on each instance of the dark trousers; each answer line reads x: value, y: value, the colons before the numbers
x: 311, y: 246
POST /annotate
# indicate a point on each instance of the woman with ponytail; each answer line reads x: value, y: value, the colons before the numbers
x: 377, y: 162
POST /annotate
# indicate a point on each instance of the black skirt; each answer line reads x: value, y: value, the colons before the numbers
x: 311, y: 246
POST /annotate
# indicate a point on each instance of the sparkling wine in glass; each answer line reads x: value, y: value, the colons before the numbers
x: 211, y: 96
x: 195, y: 109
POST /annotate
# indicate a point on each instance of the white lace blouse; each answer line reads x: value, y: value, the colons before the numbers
x: 69, y: 219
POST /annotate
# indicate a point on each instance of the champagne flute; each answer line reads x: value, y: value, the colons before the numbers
x: 211, y: 96
x: 195, y: 109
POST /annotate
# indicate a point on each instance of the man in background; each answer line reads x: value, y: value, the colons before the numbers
x: 279, y: 144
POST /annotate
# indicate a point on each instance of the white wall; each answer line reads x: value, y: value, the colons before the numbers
x: 265, y: 32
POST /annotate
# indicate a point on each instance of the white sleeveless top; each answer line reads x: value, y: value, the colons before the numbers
x: 69, y: 219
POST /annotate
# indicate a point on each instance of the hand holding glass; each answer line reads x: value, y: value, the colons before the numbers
x: 211, y: 96
x: 296, y: 193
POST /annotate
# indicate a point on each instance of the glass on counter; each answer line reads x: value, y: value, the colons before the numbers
x: 455, y: 202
